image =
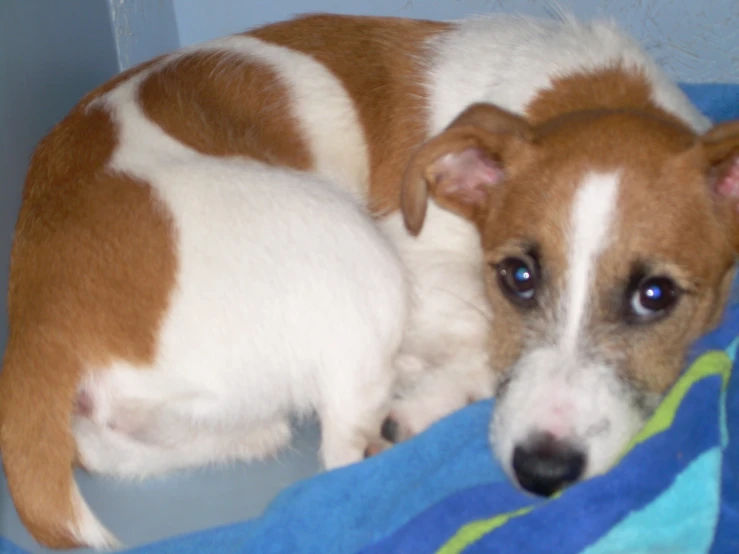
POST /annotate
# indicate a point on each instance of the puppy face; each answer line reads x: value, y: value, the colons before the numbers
x: 610, y: 241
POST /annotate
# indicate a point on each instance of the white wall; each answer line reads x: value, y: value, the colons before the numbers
x: 696, y: 40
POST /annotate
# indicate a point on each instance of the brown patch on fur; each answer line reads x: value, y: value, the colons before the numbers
x: 378, y: 60
x: 613, y: 88
x: 92, y: 266
x: 224, y: 105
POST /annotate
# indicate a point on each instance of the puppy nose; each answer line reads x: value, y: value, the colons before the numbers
x: 545, y: 465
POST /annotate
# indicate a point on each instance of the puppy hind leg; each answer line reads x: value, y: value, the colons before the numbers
x: 128, y: 435
x: 106, y: 451
x: 164, y: 427
x: 261, y: 441
x: 152, y: 408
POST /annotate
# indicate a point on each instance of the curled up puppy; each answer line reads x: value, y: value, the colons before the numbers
x: 192, y: 258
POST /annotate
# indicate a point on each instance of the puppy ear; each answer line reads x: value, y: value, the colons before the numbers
x: 460, y: 165
x: 721, y: 150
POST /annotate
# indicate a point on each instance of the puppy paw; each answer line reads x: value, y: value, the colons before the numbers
x: 394, y: 429
x: 377, y: 446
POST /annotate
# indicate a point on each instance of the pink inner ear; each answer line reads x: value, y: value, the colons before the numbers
x: 728, y: 184
x: 466, y: 175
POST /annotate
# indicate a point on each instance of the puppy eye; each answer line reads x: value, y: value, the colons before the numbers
x: 653, y: 297
x: 517, y: 278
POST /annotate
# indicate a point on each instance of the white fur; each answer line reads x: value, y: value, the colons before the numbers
x: 564, y: 389
x: 579, y: 400
x: 590, y: 231
x: 508, y: 59
x: 86, y: 527
x: 288, y: 300
x: 321, y: 105
x: 444, y: 358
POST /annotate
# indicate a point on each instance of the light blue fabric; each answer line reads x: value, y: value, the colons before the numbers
x: 670, y: 523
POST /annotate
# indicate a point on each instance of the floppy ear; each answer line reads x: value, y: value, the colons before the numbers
x: 721, y: 150
x: 459, y: 165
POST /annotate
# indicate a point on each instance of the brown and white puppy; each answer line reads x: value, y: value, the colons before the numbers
x: 610, y: 235
x: 106, y: 243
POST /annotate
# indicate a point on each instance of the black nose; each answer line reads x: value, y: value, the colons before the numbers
x: 545, y: 465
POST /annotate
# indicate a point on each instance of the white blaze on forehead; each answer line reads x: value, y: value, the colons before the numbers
x: 590, y: 231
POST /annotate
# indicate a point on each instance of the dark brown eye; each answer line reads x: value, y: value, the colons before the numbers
x: 518, y: 278
x: 653, y: 297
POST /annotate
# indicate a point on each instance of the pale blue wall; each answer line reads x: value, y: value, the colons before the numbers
x: 697, y: 40
x: 51, y: 53
x: 142, y: 28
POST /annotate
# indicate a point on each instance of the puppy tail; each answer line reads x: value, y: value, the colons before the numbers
x: 38, y: 447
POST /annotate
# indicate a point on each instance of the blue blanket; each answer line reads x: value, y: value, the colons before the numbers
x: 676, y: 489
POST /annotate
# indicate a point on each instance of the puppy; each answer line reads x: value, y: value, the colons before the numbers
x: 104, y: 240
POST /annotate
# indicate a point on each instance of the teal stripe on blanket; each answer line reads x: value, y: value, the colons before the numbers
x: 681, y: 519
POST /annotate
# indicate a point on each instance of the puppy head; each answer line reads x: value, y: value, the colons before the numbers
x: 610, y: 240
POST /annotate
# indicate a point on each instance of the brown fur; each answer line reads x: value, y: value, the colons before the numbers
x: 614, y: 88
x: 200, y: 100
x: 376, y: 59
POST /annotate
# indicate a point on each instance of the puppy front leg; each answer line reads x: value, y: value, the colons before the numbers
x: 435, y: 394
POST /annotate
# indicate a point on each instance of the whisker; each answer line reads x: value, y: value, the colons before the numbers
x: 479, y: 310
